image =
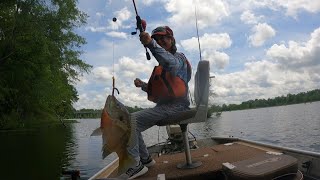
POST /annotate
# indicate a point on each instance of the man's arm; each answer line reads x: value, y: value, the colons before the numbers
x: 171, y: 63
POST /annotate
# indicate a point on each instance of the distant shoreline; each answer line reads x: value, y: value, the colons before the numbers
x: 37, y: 127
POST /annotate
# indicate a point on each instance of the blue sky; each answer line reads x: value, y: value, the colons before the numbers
x: 256, y: 48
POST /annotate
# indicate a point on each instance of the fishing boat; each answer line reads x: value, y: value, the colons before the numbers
x: 182, y: 157
x: 227, y: 158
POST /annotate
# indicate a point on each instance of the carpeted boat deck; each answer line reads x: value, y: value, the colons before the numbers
x: 211, y: 158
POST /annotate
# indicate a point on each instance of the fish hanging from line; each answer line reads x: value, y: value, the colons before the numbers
x: 117, y: 127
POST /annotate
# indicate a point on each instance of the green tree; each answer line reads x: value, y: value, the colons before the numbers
x: 39, y: 59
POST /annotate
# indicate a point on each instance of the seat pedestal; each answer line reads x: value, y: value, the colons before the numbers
x: 189, y: 164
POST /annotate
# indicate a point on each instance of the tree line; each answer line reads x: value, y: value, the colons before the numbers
x: 96, y: 113
x: 39, y: 60
x: 303, y: 97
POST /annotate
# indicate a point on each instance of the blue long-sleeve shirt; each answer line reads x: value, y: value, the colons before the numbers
x: 176, y: 64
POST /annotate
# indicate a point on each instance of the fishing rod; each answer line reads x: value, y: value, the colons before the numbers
x: 195, y: 14
x: 141, y: 25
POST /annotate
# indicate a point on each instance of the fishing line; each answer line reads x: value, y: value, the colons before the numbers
x: 113, y: 71
x: 195, y: 14
x: 199, y: 46
x: 192, y: 135
x: 159, y: 134
x: 113, y: 78
x: 112, y: 57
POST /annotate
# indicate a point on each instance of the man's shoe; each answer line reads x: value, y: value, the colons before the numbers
x: 148, y: 162
x: 136, y: 171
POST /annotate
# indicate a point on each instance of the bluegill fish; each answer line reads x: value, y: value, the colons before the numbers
x: 117, y: 128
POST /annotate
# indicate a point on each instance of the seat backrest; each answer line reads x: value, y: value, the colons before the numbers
x: 201, y: 91
x: 201, y: 94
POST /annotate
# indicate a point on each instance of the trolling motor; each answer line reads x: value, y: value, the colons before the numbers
x: 141, y: 25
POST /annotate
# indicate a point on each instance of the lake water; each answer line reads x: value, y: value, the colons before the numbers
x: 43, y: 154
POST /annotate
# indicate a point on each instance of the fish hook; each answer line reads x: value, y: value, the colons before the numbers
x: 113, y: 87
x: 113, y: 91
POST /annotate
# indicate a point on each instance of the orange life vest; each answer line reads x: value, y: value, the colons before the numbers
x: 163, y: 86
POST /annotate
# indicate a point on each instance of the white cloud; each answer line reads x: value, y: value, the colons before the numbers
x: 239, y: 6
x: 290, y: 7
x: 91, y: 99
x: 82, y: 81
x: 122, y: 16
x: 100, y: 14
x: 249, y: 18
x: 100, y: 22
x: 261, y: 80
x: 297, y: 54
x: 293, y: 69
x: 125, y: 70
x: 117, y: 34
x: 262, y: 32
x: 96, y: 29
x: 102, y: 54
x: 149, y: 2
x: 137, y: 67
x: 217, y: 59
x: 102, y: 73
x: 208, y: 41
x: 293, y: 6
x: 209, y: 12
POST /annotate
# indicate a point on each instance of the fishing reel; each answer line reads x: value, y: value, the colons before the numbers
x: 141, y: 25
x: 134, y: 33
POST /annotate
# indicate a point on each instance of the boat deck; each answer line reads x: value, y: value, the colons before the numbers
x: 213, y: 152
x: 211, y: 158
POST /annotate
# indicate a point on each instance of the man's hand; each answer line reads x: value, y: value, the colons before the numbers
x: 138, y: 82
x: 145, y: 38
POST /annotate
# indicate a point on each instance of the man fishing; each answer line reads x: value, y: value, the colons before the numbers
x: 167, y: 87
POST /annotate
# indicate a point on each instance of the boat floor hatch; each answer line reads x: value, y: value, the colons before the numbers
x: 211, y: 157
x: 263, y: 166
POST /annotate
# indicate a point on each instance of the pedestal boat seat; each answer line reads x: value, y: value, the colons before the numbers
x: 194, y: 115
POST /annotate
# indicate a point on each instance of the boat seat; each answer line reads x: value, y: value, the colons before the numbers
x: 178, y: 118
x: 193, y: 115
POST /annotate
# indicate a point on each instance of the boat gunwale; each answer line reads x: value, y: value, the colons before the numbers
x: 104, y: 169
x: 293, y: 150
